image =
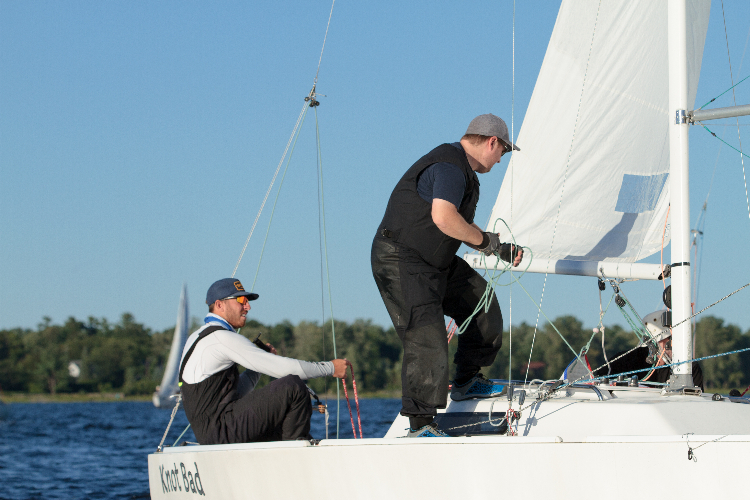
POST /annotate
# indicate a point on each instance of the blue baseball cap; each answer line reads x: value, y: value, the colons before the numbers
x: 227, y: 288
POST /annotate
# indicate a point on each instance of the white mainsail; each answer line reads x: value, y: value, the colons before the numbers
x: 169, y: 383
x: 591, y: 180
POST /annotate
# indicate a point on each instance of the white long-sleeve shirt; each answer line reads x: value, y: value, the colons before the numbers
x: 223, y: 348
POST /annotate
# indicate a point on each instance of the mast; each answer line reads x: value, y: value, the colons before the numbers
x: 679, y: 194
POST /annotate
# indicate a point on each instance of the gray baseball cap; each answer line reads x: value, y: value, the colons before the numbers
x: 490, y: 125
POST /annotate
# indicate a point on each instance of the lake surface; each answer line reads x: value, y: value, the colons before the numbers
x: 99, y: 450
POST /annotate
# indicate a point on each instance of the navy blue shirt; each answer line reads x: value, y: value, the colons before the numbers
x: 444, y: 181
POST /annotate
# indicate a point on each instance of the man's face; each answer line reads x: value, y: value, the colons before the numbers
x: 232, y: 311
x: 666, y: 346
x: 493, y: 153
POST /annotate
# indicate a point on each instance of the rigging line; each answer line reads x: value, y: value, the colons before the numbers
x: 565, y: 177
x: 583, y: 380
x: 324, y: 44
x: 273, y: 180
x: 727, y: 90
x: 670, y: 365
x: 327, y: 267
x: 171, y: 419
x: 512, y: 138
x: 322, y: 270
x: 707, y: 307
x: 578, y: 357
x: 734, y: 100
x: 294, y: 131
x: 725, y: 142
x: 276, y: 200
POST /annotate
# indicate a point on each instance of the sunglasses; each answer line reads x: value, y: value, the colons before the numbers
x: 242, y: 300
x: 506, y: 148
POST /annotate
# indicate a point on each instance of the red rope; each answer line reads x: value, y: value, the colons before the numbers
x: 451, y: 331
x: 348, y: 405
x: 748, y: 388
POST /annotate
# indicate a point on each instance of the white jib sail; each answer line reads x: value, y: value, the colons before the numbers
x: 590, y: 181
x: 169, y: 382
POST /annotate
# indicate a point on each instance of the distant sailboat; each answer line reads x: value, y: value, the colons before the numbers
x: 168, y: 387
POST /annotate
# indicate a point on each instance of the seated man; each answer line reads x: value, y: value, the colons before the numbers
x: 641, y: 358
x: 220, y: 404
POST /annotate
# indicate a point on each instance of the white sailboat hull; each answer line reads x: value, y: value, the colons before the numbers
x: 618, y: 467
x: 574, y: 445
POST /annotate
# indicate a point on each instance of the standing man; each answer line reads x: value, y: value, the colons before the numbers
x: 220, y: 404
x: 421, y: 280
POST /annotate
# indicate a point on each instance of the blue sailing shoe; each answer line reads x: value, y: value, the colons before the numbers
x: 429, y: 430
x: 477, y: 387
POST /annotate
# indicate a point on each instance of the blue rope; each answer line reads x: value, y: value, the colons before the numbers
x: 656, y: 367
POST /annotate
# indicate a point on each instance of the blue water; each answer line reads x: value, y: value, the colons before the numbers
x: 99, y: 450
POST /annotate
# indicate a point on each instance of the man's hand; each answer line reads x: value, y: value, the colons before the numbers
x: 509, y: 252
x: 339, y: 367
x: 490, y: 243
x: 272, y: 348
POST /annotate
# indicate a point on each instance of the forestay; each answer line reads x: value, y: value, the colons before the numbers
x: 590, y: 181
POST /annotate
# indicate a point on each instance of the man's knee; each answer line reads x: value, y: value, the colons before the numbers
x: 293, y: 386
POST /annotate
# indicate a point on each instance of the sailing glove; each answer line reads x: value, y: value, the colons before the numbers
x: 508, y: 252
x: 490, y: 243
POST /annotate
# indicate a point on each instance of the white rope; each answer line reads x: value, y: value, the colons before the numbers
x: 291, y: 137
x: 324, y: 44
x: 171, y: 419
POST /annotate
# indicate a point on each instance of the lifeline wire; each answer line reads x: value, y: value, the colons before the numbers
x: 702, y: 310
x: 583, y: 380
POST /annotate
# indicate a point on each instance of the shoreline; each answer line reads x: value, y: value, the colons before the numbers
x: 109, y: 397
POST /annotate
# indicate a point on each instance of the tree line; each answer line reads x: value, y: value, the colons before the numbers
x: 130, y: 358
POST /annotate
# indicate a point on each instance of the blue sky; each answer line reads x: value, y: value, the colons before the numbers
x: 137, y: 140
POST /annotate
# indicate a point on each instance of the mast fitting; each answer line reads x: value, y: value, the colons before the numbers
x: 311, y: 98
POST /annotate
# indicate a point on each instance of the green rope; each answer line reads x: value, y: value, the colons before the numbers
x: 180, y: 436
x: 727, y: 90
x: 578, y: 357
x: 493, y: 280
x: 278, y: 192
x: 327, y: 268
x: 725, y: 142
